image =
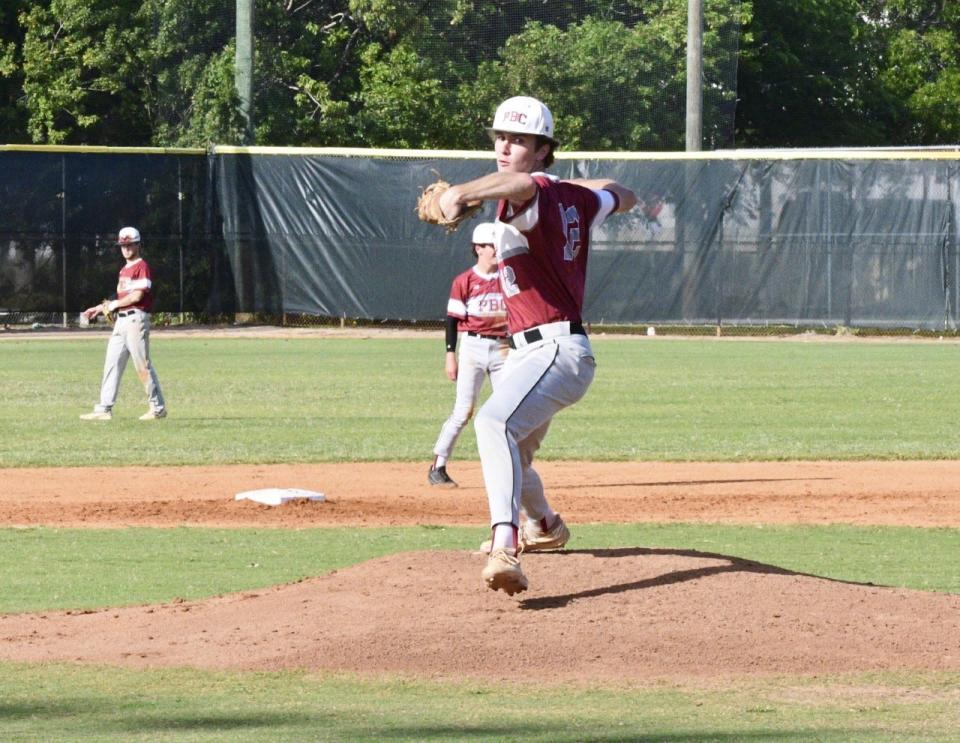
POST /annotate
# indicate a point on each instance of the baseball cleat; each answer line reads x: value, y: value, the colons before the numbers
x: 503, y: 572
x: 97, y: 415
x: 534, y: 539
x: 152, y: 415
x: 438, y: 476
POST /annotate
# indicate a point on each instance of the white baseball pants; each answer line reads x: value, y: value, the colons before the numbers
x: 537, y: 382
x: 130, y: 340
x: 477, y: 358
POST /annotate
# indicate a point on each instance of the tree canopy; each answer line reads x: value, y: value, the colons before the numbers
x: 383, y: 73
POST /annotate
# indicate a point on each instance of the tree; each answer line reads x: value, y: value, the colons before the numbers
x: 808, y: 77
x: 81, y: 68
x: 921, y: 68
x: 129, y: 72
x: 13, y: 116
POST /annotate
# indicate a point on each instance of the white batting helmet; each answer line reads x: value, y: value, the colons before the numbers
x: 128, y: 235
x: 523, y: 115
x: 483, y: 234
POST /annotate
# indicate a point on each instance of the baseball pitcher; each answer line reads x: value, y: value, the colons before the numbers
x: 542, y: 236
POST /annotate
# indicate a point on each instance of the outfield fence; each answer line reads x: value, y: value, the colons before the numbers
x: 764, y: 240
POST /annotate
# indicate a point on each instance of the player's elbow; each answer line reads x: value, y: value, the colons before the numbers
x: 627, y: 199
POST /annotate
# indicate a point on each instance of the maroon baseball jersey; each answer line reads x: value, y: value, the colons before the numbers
x: 543, y: 249
x: 476, y: 301
x: 135, y: 276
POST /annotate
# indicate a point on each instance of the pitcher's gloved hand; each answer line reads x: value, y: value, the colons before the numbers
x: 428, y: 207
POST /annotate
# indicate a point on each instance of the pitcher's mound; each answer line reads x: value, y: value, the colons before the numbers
x: 612, y: 615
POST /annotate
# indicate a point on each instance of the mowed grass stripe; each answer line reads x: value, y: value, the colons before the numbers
x: 44, y: 569
x: 328, y: 400
x: 64, y: 702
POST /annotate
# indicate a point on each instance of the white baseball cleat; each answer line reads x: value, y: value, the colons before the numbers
x: 534, y: 539
x: 97, y: 415
x: 152, y: 415
x: 503, y: 572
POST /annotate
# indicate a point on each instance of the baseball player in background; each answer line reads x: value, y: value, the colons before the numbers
x: 131, y: 332
x: 476, y: 310
x: 542, y: 236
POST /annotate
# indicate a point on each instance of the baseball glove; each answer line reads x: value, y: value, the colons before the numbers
x: 109, y: 316
x: 428, y: 206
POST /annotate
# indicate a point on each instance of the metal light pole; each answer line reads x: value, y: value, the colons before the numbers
x: 243, y: 67
x: 694, y: 75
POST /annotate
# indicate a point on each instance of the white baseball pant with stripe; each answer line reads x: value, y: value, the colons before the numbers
x: 477, y: 358
x: 130, y: 340
x: 538, y: 381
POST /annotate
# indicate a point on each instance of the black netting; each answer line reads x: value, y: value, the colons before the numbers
x: 858, y: 241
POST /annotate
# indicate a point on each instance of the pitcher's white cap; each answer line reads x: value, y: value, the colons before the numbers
x: 128, y: 235
x: 523, y: 115
x: 483, y: 234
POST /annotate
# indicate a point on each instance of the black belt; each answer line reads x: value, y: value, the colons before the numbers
x: 533, y: 335
x: 126, y: 313
x: 487, y: 337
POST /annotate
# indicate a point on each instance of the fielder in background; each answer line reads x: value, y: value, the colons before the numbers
x: 131, y: 332
x: 542, y: 236
x: 476, y: 309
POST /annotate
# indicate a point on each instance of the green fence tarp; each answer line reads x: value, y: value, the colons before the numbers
x: 807, y: 241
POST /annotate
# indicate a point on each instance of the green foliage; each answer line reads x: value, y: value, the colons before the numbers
x: 922, y: 68
x: 403, y: 102
x: 593, y: 64
x: 368, y: 72
x: 12, y: 116
x: 82, y: 70
x: 808, y: 76
x: 386, y: 73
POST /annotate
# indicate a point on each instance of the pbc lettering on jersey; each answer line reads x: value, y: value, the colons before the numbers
x: 487, y: 305
x: 476, y: 299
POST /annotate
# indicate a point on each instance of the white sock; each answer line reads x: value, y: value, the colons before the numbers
x: 440, y: 462
x: 505, y: 535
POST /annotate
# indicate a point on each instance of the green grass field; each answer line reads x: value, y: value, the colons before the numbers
x: 323, y: 400
x: 315, y: 400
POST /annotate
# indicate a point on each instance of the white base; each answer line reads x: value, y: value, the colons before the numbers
x: 279, y: 496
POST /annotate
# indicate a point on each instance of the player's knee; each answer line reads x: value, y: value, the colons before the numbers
x: 460, y: 417
x: 486, y: 424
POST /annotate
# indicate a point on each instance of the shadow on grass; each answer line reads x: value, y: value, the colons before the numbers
x: 733, y: 565
x: 10, y: 711
x: 171, y: 723
x: 535, y: 730
x: 89, y: 715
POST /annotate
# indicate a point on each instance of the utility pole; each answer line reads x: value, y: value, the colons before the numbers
x: 687, y: 209
x: 694, y: 75
x: 243, y: 67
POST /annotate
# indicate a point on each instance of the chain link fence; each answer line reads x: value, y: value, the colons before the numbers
x: 857, y: 242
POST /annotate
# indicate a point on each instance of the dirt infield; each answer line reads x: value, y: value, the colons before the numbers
x: 633, y: 613
x: 392, y: 494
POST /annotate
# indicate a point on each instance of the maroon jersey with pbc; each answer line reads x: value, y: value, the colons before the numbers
x: 134, y: 276
x: 543, y: 250
x: 476, y: 301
